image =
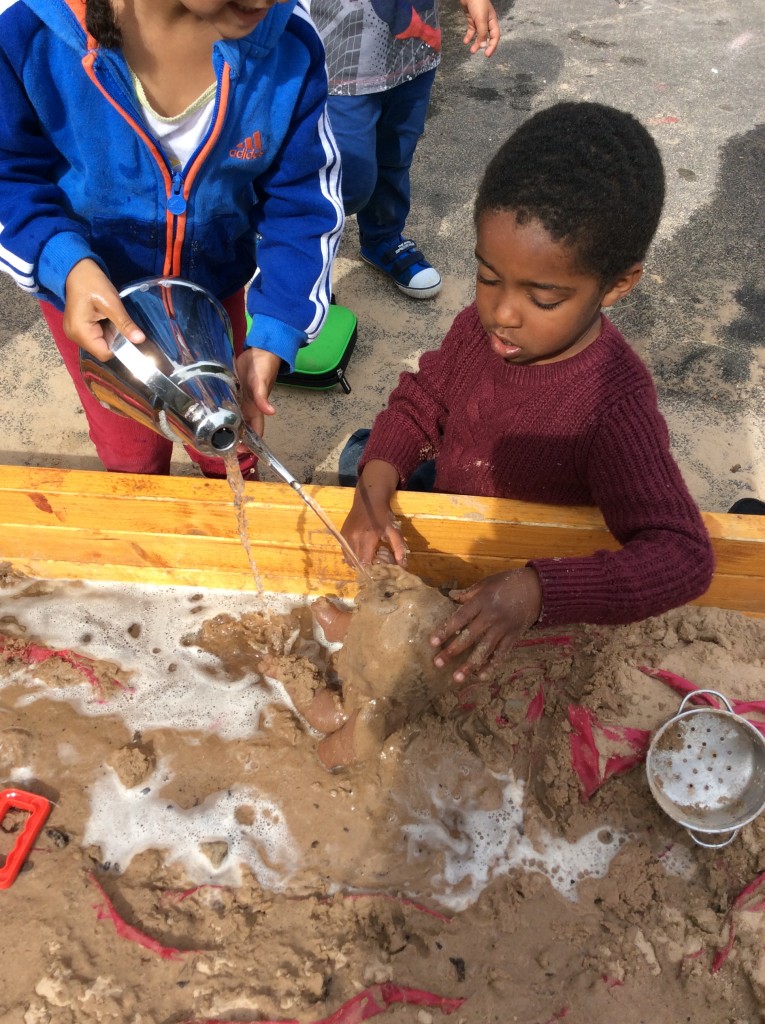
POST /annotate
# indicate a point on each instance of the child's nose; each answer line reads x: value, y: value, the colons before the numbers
x: 508, y: 310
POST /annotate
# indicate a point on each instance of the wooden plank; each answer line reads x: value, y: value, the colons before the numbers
x: 74, y: 524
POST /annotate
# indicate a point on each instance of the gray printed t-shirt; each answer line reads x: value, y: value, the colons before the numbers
x: 374, y: 45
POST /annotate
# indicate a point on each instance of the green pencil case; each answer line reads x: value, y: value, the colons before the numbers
x: 321, y: 365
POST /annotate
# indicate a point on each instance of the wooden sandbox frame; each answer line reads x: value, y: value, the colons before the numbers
x: 73, y: 524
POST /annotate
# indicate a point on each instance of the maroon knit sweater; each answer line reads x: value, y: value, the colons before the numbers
x: 583, y: 431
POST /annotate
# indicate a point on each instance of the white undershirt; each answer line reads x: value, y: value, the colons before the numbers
x: 179, y: 136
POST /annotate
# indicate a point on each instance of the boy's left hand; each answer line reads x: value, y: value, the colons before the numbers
x: 483, y: 26
x: 257, y: 370
x: 493, y: 615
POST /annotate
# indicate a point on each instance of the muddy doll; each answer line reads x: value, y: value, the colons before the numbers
x: 385, y: 671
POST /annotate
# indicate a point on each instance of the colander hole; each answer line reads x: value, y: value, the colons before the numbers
x: 691, y: 786
x: 692, y: 728
x: 688, y: 747
x: 728, y: 768
x: 685, y: 760
x: 703, y: 743
x: 706, y: 789
x: 695, y: 771
x: 714, y: 753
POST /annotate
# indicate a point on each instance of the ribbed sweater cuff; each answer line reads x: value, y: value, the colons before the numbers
x: 573, y: 590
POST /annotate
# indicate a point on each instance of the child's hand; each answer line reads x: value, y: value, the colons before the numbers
x: 483, y: 26
x: 257, y: 370
x: 370, y: 521
x: 91, y: 298
x: 366, y: 533
x: 493, y: 615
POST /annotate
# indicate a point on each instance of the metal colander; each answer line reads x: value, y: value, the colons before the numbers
x: 706, y: 770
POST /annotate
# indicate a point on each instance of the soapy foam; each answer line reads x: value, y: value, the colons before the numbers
x: 476, y: 846
x: 470, y: 845
x: 67, y: 754
x: 125, y: 822
x: 175, y: 686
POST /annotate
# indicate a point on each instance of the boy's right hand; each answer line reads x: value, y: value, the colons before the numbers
x: 91, y: 298
x: 370, y: 522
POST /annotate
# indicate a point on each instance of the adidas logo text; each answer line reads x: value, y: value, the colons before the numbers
x: 250, y: 149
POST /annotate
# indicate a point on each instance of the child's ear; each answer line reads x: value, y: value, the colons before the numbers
x: 623, y: 285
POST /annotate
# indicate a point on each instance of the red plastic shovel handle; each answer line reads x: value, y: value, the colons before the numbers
x: 39, y: 809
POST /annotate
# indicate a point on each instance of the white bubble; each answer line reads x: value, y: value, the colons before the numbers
x: 480, y: 845
x: 125, y: 822
x: 121, y: 623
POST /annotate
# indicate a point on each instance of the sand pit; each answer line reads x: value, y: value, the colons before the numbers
x: 200, y: 862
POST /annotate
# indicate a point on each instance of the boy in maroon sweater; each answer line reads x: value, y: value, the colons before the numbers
x: 535, y: 395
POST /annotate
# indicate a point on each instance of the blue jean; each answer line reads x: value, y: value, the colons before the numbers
x: 377, y: 135
x: 423, y: 478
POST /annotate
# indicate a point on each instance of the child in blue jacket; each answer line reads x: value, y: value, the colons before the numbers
x: 163, y: 139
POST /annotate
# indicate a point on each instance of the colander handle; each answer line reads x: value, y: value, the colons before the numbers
x: 715, y: 693
x: 712, y: 846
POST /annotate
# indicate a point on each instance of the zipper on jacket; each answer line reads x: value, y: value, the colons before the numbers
x: 177, y: 188
x: 176, y: 203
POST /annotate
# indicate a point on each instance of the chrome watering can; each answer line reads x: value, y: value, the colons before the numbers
x: 180, y: 382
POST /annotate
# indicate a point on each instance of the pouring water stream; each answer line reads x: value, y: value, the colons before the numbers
x: 180, y: 382
x: 256, y: 445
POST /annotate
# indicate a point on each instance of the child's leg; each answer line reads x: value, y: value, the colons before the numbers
x: 350, y: 455
x: 123, y: 446
x: 423, y: 478
x: 402, y: 122
x: 354, y: 120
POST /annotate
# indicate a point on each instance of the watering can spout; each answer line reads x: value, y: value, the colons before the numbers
x: 180, y: 382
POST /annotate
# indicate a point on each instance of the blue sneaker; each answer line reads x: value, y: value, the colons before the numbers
x: 403, y: 262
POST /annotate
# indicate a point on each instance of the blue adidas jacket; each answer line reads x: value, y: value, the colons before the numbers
x: 81, y: 175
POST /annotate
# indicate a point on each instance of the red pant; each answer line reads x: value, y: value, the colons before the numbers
x: 123, y: 445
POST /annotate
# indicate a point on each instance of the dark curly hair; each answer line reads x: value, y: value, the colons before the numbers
x: 590, y: 174
x: 102, y: 25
